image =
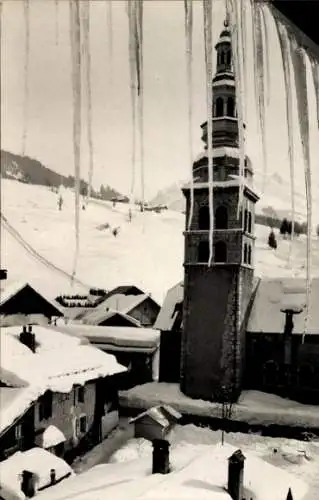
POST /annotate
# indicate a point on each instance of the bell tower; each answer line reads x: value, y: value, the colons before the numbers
x: 216, y: 297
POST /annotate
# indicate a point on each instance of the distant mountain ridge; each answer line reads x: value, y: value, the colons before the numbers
x: 32, y: 171
x: 273, y: 206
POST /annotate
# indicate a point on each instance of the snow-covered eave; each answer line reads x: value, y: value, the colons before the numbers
x: 108, y: 346
x: 222, y: 185
x: 12, y: 289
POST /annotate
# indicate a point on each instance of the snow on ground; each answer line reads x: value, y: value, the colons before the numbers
x: 147, y: 252
x: 253, y: 407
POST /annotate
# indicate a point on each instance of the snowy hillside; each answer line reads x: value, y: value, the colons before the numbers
x: 274, y: 201
x: 147, y: 252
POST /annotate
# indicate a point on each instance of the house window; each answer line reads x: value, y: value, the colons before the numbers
x: 203, y: 218
x: 18, y: 432
x: 219, y: 106
x: 220, y: 251
x: 221, y: 217
x: 81, y: 425
x: 45, y: 406
x: 79, y: 394
x: 203, y: 251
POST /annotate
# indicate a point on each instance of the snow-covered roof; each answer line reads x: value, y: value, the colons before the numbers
x: 123, y: 303
x: 281, y: 293
x: 168, y: 313
x: 98, y: 315
x: 119, y: 337
x: 11, y: 288
x: 36, y: 460
x: 163, y: 414
x: 60, y: 361
x: 197, y: 472
x: 52, y: 436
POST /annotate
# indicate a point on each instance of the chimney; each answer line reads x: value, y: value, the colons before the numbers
x: 52, y: 476
x: 28, y: 338
x: 236, y: 475
x: 3, y: 274
x: 160, y: 456
x: 28, y: 483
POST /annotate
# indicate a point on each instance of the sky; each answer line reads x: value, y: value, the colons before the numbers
x: 167, y: 157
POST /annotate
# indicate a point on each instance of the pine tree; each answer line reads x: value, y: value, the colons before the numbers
x: 284, y: 227
x: 272, y: 242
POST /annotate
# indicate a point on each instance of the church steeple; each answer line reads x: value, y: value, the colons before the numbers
x: 216, y: 297
x: 224, y: 54
x: 225, y: 123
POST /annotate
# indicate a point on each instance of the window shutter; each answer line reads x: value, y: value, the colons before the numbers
x: 77, y: 426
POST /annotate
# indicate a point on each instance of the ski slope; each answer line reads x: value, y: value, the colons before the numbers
x: 148, y: 251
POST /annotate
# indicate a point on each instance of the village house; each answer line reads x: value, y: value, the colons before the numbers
x: 22, y: 303
x: 133, y: 302
x: 237, y: 331
x: 57, y: 392
x: 135, y: 348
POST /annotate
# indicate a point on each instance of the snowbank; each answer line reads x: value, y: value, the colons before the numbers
x: 52, y: 436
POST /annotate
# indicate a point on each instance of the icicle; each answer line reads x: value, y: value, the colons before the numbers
x: 87, y: 61
x: 315, y: 76
x: 132, y: 62
x: 259, y: 81
x: 188, y: 8
x: 26, y: 9
x: 207, y: 9
x: 110, y: 30
x: 56, y: 13
x: 244, y: 44
x: 233, y: 13
x: 300, y: 74
x: 140, y: 89
x: 75, y: 33
x: 0, y: 19
x: 283, y: 41
x: 266, y: 49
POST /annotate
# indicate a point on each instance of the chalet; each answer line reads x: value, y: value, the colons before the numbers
x: 156, y: 422
x: 135, y: 348
x: 100, y: 317
x: 169, y: 322
x: 279, y: 357
x: 130, y: 301
x: 65, y: 403
x: 22, y: 303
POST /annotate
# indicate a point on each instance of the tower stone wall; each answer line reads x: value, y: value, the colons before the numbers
x: 216, y: 297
